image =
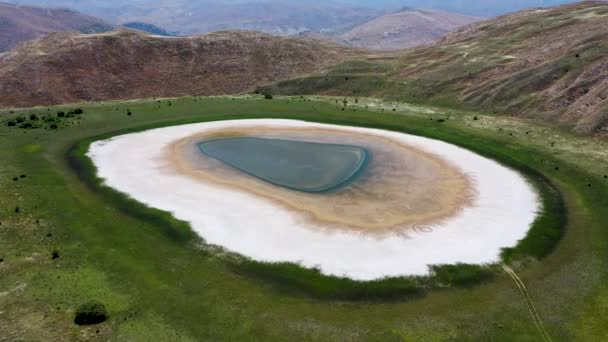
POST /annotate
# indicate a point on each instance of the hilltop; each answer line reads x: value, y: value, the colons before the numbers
x: 549, y: 64
x: 125, y: 64
x: 406, y: 28
x: 22, y: 23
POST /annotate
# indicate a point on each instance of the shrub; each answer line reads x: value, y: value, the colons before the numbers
x: 441, y: 120
x: 129, y: 113
x: 61, y: 114
x: 20, y: 119
x: 55, y: 254
x: 53, y: 126
x: 26, y: 125
x: 78, y: 111
x: 33, y: 117
x: 268, y: 96
x: 17, y: 209
x: 92, y: 312
x: 461, y: 274
x: 11, y: 123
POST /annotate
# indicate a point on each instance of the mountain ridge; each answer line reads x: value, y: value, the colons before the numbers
x: 126, y: 64
x: 405, y: 28
x: 548, y: 64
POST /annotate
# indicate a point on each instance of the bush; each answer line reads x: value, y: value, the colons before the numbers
x: 61, y: 114
x: 53, y: 126
x: 461, y: 274
x: 268, y: 96
x: 295, y: 280
x: 20, y: 119
x: 11, y: 123
x: 78, y: 111
x: 92, y: 312
x: 26, y: 125
x: 33, y: 117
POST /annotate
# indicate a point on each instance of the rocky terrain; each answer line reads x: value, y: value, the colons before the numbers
x: 22, y: 23
x: 123, y: 64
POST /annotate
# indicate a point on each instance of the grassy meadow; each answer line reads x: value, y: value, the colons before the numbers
x: 64, y: 240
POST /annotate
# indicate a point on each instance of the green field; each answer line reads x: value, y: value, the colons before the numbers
x: 64, y: 242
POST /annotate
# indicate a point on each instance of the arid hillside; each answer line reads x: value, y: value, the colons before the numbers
x: 406, y: 28
x: 550, y: 64
x: 123, y: 64
x: 22, y: 23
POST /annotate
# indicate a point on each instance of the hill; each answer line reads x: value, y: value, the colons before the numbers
x: 549, y: 64
x: 406, y: 28
x: 22, y: 23
x: 123, y: 64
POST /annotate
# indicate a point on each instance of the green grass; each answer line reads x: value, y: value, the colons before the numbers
x: 540, y: 240
x: 156, y: 279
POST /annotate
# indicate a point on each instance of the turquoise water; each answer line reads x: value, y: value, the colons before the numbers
x: 297, y: 165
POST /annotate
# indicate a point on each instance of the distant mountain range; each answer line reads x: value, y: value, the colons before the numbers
x: 484, y: 8
x: 145, y: 27
x: 344, y: 24
x: 187, y: 17
x: 407, y: 28
x: 21, y: 23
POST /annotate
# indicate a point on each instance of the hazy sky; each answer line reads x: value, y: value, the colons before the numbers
x: 474, y: 7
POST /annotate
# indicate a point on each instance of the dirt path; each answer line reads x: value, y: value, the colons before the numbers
x: 524, y: 292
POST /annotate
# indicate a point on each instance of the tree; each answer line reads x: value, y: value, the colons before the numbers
x: 92, y: 312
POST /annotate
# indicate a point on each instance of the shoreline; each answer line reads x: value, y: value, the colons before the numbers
x: 375, y: 204
x: 482, y: 234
